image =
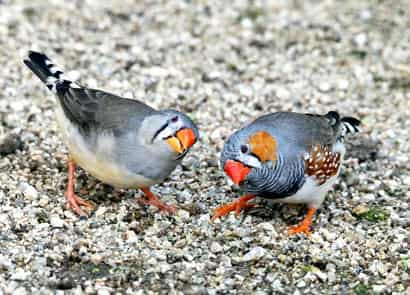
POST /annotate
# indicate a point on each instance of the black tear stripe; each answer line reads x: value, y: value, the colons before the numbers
x: 159, y: 131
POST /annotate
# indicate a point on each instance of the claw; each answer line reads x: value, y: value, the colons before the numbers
x: 304, y: 226
x: 223, y: 210
x: 236, y: 206
x: 153, y: 200
x: 301, y: 228
x: 73, y: 201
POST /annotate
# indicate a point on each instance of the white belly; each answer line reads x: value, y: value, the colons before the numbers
x: 96, y: 161
x: 310, y: 193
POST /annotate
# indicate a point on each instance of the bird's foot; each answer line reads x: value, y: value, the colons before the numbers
x: 237, y: 206
x: 157, y: 203
x: 304, y: 226
x: 153, y: 200
x: 74, y: 202
x: 301, y: 228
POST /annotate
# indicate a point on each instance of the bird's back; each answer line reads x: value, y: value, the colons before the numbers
x: 296, y: 133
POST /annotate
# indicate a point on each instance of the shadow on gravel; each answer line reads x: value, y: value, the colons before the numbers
x: 75, y: 273
x: 363, y: 149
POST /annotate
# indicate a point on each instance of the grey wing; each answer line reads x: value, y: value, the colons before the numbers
x: 324, y: 129
x: 92, y: 109
x: 296, y: 131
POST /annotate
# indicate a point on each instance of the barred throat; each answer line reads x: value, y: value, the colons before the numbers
x: 283, y: 180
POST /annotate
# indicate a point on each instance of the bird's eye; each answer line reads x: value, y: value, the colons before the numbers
x: 244, y: 149
x: 174, y: 119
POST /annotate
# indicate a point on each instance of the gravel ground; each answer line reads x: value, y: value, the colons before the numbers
x: 224, y: 65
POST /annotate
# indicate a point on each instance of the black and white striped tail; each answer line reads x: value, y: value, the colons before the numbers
x: 49, y: 73
x: 350, y: 125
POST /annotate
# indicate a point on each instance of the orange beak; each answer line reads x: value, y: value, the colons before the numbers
x: 183, y: 140
x: 236, y: 171
x: 186, y: 137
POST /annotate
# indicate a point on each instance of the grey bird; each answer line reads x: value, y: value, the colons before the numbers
x: 287, y: 157
x: 122, y: 142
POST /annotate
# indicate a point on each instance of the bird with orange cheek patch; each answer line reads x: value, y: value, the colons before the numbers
x: 287, y: 157
x: 122, y: 142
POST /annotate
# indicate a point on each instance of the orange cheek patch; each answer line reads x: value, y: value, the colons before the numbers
x: 264, y: 146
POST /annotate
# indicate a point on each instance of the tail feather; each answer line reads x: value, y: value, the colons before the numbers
x: 350, y: 124
x: 344, y: 124
x: 47, y: 71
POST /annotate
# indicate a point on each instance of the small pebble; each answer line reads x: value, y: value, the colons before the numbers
x: 20, y: 275
x: 216, y: 248
x: 9, y: 144
x: 56, y: 221
x: 254, y: 254
x: 28, y: 191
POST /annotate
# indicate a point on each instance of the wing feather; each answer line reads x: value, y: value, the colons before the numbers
x: 96, y: 109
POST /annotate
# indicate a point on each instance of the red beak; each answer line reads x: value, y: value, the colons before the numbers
x: 236, y: 171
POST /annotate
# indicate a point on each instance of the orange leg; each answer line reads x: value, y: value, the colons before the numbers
x: 74, y: 201
x: 304, y: 225
x: 153, y: 200
x: 237, y: 206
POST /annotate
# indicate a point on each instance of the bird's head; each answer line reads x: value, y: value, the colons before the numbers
x: 242, y: 154
x: 170, y: 133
